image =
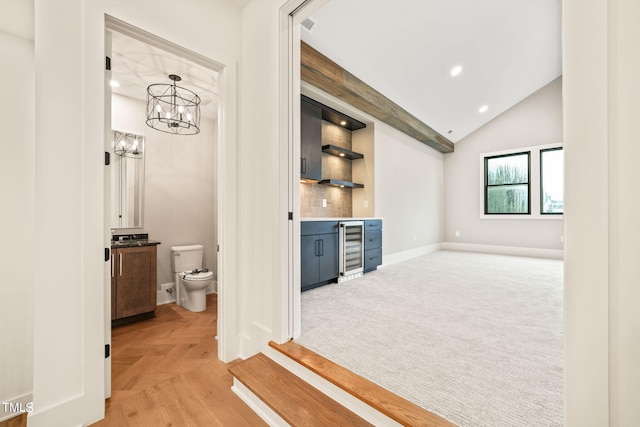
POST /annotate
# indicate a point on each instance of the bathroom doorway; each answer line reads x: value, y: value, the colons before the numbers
x: 181, y: 185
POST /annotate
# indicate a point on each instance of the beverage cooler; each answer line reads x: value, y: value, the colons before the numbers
x: 351, y: 249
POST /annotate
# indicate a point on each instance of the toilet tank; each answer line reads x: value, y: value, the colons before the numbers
x: 186, y: 258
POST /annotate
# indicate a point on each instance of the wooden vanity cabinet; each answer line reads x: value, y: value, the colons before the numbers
x: 133, y: 281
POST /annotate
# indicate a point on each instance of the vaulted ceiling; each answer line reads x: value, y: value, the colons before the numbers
x: 406, y: 49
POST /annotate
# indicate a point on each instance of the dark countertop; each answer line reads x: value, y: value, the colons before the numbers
x: 133, y: 243
x: 132, y: 240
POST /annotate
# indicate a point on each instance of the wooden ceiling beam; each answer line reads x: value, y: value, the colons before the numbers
x: 323, y: 73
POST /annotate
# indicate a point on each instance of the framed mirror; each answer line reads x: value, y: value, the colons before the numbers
x: 127, y: 180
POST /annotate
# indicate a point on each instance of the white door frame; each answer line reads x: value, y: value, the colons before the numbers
x: 108, y: 137
x: 226, y: 185
x: 291, y: 16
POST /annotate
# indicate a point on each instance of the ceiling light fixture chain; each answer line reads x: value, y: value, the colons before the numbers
x: 172, y: 108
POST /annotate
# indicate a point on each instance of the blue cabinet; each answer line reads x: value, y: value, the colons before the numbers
x: 318, y: 253
x: 372, y: 244
x: 310, y: 141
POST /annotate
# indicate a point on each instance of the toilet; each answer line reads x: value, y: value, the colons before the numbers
x: 192, y: 280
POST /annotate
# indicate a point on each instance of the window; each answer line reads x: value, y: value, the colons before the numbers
x: 552, y: 181
x: 506, y: 184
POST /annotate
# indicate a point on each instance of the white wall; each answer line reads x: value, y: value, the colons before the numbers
x: 261, y: 217
x: 623, y: 222
x: 180, y: 185
x: 602, y: 88
x: 624, y: 227
x: 409, y: 194
x: 537, y: 120
x: 17, y: 190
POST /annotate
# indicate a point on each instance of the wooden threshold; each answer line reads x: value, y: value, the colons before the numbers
x: 321, y: 72
x: 379, y: 398
x: 17, y: 421
x: 293, y: 399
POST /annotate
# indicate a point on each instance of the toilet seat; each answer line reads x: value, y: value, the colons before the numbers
x: 197, y: 277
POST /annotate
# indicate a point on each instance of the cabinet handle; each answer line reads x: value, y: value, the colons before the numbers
x: 317, y: 248
x: 303, y: 167
x: 321, y: 247
x: 120, y: 255
x: 112, y: 266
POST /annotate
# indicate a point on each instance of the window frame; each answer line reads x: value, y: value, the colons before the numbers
x: 487, y: 185
x: 534, y: 184
x: 542, y: 212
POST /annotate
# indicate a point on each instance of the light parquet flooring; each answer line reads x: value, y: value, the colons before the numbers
x: 165, y: 372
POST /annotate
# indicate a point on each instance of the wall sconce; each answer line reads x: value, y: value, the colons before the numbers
x: 128, y: 145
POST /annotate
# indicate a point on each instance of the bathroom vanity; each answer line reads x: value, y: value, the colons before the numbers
x: 133, y: 278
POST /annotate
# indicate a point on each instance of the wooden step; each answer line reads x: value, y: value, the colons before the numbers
x: 294, y: 400
x: 384, y: 401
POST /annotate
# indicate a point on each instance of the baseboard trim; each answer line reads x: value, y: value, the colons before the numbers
x: 407, y: 255
x: 504, y: 250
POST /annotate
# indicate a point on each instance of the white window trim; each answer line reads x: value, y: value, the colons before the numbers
x: 534, y: 183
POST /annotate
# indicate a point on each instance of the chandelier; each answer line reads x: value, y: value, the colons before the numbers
x: 128, y: 144
x: 173, y: 109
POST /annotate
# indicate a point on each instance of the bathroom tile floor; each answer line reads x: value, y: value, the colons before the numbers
x: 165, y: 372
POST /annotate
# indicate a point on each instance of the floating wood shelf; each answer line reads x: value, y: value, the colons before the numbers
x: 336, y: 117
x: 338, y: 183
x: 341, y: 152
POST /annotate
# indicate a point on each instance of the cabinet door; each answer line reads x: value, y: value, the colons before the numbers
x: 372, y: 239
x: 372, y: 259
x: 136, y: 281
x: 328, y: 256
x: 309, y: 264
x: 114, y: 302
x: 310, y: 141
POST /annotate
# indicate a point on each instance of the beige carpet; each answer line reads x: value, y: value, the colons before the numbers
x: 475, y: 338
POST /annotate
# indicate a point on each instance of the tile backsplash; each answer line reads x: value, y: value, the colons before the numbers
x: 338, y: 200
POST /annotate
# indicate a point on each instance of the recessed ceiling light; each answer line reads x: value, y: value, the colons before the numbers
x: 343, y: 123
x: 483, y: 109
x: 114, y: 83
x: 456, y: 70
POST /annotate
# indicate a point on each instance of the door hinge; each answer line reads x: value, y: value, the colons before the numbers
x: 290, y: 216
x: 107, y: 351
x: 107, y: 158
x: 108, y: 63
x: 107, y: 254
